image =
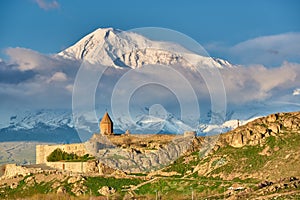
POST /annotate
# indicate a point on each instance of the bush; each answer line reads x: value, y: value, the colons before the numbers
x: 60, y: 155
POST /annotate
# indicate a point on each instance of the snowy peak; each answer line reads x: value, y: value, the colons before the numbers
x: 122, y: 49
x: 87, y: 44
x: 46, y: 118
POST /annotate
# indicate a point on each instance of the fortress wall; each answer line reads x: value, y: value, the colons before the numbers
x: 12, y: 170
x: 77, y: 167
x: 42, y: 151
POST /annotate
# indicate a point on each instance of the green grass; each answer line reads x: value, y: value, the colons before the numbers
x: 95, y: 183
x: 25, y: 190
x: 183, y: 187
x: 245, y: 159
x: 248, y: 159
x: 181, y: 167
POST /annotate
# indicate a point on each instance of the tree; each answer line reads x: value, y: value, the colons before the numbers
x: 56, y: 155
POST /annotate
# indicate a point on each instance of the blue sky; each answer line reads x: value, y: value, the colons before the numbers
x: 48, y: 26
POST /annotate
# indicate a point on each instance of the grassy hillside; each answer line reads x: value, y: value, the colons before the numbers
x: 260, y: 160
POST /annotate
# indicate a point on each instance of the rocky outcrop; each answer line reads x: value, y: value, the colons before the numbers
x: 132, y: 160
x: 257, y: 131
x: 106, y: 191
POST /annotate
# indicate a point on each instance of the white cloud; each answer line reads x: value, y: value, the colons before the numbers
x: 47, y: 5
x: 58, y: 76
x: 34, y: 71
x: 34, y: 79
x: 70, y: 88
x: 267, y: 50
x: 27, y: 59
x: 296, y: 92
x: 245, y: 84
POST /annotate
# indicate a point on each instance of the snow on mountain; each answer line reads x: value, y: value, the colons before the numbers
x: 49, y: 118
x: 207, y: 129
x: 119, y: 50
x: 114, y: 48
x: 153, y: 124
x: 58, y: 125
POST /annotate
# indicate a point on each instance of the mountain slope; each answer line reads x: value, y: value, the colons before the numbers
x: 265, y: 148
x: 120, y: 49
x: 263, y: 167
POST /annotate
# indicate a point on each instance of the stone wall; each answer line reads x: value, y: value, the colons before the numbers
x: 12, y: 170
x: 42, y: 151
x: 75, y: 167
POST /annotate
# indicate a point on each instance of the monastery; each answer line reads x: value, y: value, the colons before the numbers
x: 90, y: 147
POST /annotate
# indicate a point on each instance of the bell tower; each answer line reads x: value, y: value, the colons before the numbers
x: 106, y: 125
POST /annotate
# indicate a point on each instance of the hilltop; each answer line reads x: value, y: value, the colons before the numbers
x: 257, y: 160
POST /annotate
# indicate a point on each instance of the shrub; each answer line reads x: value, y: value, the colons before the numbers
x: 60, y: 155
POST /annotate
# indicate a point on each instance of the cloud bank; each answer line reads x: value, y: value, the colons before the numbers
x: 33, y: 80
x: 270, y: 50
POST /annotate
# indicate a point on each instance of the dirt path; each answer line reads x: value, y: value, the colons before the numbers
x: 144, y: 183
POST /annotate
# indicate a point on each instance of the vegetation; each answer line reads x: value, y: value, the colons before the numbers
x: 181, y: 166
x: 46, y: 190
x: 60, y: 155
x: 94, y: 183
x: 263, y: 170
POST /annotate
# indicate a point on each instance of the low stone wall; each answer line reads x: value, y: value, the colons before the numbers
x: 12, y: 170
x: 76, y: 167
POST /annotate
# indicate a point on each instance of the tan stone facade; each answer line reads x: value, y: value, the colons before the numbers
x: 75, y: 167
x: 106, y: 125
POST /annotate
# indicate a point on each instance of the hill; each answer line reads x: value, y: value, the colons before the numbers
x: 259, y: 160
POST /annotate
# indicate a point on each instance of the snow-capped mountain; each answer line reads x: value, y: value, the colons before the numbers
x: 120, y: 49
x: 50, y: 118
x: 58, y: 126
x: 42, y: 125
x: 123, y: 50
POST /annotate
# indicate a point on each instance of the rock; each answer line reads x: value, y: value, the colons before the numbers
x: 72, y: 180
x: 55, y: 185
x: 276, y: 148
x: 79, y: 190
x: 288, y: 123
x: 119, y: 174
x: 30, y: 181
x: 92, y: 166
x: 216, y: 148
x: 61, y: 190
x: 275, y: 128
x: 14, y: 185
x: 266, y: 151
x: 261, y: 129
x: 237, y: 140
x: 272, y: 118
x: 106, y: 191
x: 189, y: 134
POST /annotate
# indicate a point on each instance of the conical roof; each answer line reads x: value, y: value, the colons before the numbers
x: 106, y: 119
